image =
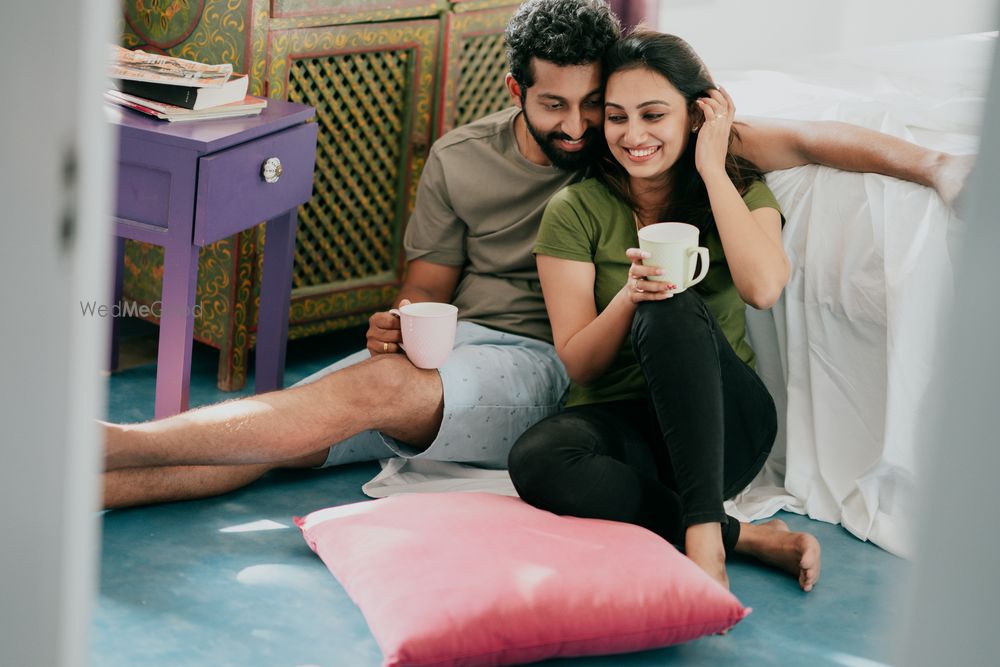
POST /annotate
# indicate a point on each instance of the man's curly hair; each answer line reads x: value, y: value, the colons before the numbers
x: 563, y: 32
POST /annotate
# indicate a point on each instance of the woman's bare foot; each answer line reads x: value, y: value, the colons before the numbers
x: 775, y: 544
x: 703, y: 545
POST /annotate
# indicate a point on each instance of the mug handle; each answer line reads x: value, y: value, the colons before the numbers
x: 395, y: 311
x: 703, y: 254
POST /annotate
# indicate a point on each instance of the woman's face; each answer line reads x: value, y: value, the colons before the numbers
x: 646, y: 122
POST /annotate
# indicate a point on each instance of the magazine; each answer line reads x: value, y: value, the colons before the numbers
x: 142, y: 66
x: 248, y: 106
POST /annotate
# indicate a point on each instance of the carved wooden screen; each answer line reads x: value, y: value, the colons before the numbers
x: 475, y: 67
x: 346, y: 230
x: 372, y: 88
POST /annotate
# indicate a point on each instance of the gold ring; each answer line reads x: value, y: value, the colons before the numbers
x: 720, y: 115
x: 385, y: 347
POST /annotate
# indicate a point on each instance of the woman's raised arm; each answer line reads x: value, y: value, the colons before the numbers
x: 751, y: 239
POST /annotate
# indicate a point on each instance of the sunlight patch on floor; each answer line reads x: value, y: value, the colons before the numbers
x: 254, y: 526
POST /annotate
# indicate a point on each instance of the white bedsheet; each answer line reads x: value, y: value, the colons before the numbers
x: 848, y: 350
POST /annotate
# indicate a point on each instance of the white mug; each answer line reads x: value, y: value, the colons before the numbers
x: 428, y: 332
x: 673, y: 247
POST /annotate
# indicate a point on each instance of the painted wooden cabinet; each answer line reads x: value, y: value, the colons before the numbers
x: 386, y: 77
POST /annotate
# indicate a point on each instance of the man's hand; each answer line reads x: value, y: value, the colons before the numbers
x: 425, y: 281
x: 384, y: 333
x: 949, y: 175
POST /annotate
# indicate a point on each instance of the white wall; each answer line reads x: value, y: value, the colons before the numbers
x: 747, y: 34
x: 949, y: 616
x: 54, y: 252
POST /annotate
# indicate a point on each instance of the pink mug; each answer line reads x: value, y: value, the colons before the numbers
x: 428, y: 332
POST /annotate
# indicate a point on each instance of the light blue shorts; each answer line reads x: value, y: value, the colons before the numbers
x: 496, y: 385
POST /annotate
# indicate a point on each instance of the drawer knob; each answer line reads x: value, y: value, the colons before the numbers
x: 271, y: 170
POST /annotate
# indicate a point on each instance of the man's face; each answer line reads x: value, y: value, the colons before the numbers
x: 563, y: 111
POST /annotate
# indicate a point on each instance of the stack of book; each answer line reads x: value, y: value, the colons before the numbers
x: 175, y: 89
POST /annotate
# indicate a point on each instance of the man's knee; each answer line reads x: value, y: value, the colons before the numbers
x: 403, y: 401
x: 386, y: 378
x: 393, y: 375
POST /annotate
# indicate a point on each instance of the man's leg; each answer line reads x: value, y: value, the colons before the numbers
x: 489, y: 407
x: 129, y: 487
x: 385, y: 393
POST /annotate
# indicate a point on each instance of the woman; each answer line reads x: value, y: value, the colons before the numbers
x: 666, y: 417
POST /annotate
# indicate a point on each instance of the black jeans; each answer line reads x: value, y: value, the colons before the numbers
x: 668, y: 462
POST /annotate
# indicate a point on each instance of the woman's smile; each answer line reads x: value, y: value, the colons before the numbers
x: 642, y: 153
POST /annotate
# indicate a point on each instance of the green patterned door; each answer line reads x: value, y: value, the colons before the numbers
x: 372, y: 86
x: 474, y: 66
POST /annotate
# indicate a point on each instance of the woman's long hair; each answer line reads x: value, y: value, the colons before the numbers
x: 676, y: 61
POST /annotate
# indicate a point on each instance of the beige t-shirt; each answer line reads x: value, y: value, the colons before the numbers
x: 479, y: 204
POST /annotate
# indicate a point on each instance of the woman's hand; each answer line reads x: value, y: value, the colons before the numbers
x: 639, y: 288
x: 713, y: 132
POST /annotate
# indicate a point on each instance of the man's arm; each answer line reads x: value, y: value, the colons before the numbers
x: 427, y: 281
x: 782, y: 144
x: 434, y: 231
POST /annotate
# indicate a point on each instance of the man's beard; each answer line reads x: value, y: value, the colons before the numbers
x: 570, y: 161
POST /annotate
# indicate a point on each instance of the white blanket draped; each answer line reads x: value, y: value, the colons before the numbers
x: 847, y: 352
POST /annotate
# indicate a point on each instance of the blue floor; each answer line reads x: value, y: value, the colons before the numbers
x: 229, y: 580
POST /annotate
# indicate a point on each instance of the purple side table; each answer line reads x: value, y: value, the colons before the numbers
x: 185, y: 185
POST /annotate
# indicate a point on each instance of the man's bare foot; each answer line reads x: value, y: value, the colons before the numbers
x: 113, y: 438
x: 775, y: 544
x: 703, y: 545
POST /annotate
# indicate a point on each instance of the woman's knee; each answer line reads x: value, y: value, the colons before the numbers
x: 540, y: 457
x: 531, y: 460
x: 673, y: 317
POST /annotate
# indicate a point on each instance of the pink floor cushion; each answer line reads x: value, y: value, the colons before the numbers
x: 482, y: 579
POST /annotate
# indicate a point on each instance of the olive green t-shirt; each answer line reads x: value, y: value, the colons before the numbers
x: 587, y: 223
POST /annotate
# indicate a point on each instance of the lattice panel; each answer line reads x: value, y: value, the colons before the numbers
x: 480, y: 86
x: 346, y: 230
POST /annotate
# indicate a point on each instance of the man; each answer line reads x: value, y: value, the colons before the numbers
x: 478, y: 205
